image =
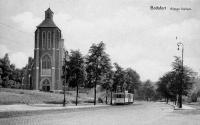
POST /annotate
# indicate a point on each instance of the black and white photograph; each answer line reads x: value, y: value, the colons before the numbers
x: 99, y: 62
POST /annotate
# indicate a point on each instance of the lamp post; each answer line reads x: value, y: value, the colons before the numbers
x: 181, y: 84
x: 22, y: 83
x: 95, y: 84
x: 75, y: 77
x: 66, y: 59
x: 30, y: 77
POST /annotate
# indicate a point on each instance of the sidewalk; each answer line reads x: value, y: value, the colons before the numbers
x: 184, y: 107
x: 41, y: 107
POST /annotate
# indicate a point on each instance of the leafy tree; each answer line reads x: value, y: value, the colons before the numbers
x: 6, y: 70
x: 108, y: 84
x: 76, y: 70
x: 170, y: 84
x: 1, y: 73
x: 132, y: 80
x: 97, y: 65
x: 149, y: 90
x: 119, y: 78
x: 183, y: 78
x: 195, y: 91
x: 166, y: 87
x: 13, y: 72
x: 9, y: 73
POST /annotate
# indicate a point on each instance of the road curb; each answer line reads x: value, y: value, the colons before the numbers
x: 8, y: 114
x: 184, y: 107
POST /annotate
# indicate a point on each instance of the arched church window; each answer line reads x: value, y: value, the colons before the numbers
x: 46, y: 65
x: 44, y: 44
x: 57, y: 39
x: 49, y: 40
x: 46, y: 62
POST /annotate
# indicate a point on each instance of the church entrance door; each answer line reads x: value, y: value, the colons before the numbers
x: 46, y: 85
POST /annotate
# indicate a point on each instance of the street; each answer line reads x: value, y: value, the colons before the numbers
x: 139, y: 113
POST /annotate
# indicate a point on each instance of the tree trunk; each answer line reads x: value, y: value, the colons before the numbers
x: 111, y: 97
x: 106, y: 96
x: 76, y: 94
x: 124, y: 97
x: 95, y: 89
x: 180, y: 101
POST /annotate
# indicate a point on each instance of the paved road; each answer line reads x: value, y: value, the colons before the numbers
x: 140, y: 113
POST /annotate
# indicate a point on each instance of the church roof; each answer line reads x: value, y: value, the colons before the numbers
x: 48, y: 21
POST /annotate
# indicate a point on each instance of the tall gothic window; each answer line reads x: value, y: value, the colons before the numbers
x: 57, y: 39
x: 44, y: 44
x: 46, y: 65
x: 49, y: 40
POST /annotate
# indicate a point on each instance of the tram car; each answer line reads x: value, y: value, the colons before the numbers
x: 123, y: 98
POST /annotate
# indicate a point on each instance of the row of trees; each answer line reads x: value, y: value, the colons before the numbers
x: 81, y: 71
x: 169, y: 85
x: 96, y: 69
x: 147, y: 91
x: 10, y: 76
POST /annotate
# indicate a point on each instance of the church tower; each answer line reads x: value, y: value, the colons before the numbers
x: 48, y: 55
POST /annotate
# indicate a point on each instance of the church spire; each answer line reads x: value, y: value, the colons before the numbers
x: 49, y: 14
x: 48, y: 21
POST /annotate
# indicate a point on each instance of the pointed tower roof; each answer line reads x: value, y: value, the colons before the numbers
x: 48, y: 21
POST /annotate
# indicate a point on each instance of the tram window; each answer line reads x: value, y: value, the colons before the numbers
x: 120, y: 96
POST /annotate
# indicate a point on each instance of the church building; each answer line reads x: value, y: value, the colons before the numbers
x: 48, y: 55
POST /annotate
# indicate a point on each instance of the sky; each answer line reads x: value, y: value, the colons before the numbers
x: 135, y: 35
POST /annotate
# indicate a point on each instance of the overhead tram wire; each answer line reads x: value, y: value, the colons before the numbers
x: 15, y: 29
x: 8, y: 39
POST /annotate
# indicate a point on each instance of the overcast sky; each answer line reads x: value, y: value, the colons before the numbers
x: 135, y: 36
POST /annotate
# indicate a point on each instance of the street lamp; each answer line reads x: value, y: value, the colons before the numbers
x: 22, y: 83
x: 66, y: 59
x: 181, y: 84
x: 124, y: 87
x: 30, y: 79
x: 96, y: 72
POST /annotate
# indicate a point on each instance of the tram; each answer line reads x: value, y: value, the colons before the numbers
x: 123, y: 98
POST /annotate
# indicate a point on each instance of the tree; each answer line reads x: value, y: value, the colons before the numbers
x: 166, y: 87
x: 108, y: 84
x: 97, y: 65
x: 148, y: 89
x: 6, y: 70
x: 195, y: 91
x: 132, y: 80
x: 170, y: 84
x: 1, y: 72
x: 183, y: 78
x: 77, y: 70
x: 119, y: 78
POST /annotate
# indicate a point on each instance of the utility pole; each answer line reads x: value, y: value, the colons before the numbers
x: 76, y: 90
x: 96, y: 73
x: 181, y: 84
x: 65, y: 78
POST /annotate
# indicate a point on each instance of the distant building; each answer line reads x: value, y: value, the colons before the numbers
x: 27, y: 80
x: 48, y: 54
